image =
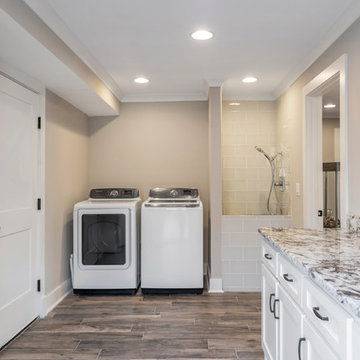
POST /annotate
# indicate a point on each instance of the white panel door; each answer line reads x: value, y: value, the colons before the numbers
x: 19, y: 245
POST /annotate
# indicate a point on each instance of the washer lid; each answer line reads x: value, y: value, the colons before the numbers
x: 114, y: 193
x: 174, y: 193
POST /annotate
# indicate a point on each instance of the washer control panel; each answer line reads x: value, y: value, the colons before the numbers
x: 175, y: 193
x: 114, y: 193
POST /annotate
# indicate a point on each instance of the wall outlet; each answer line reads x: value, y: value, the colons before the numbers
x: 297, y: 189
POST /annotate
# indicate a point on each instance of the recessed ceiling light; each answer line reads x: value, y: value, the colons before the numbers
x: 234, y: 103
x: 329, y: 106
x: 249, y: 80
x: 141, y: 80
x: 202, y: 35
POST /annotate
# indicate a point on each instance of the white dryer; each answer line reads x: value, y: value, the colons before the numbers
x: 106, y: 245
x: 172, y: 242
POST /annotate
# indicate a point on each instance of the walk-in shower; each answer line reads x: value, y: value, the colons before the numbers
x: 280, y: 183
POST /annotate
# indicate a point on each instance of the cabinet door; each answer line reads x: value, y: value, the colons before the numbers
x: 290, y: 326
x: 269, y: 323
x: 314, y: 347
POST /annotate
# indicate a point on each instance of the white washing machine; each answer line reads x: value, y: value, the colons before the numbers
x: 106, y: 251
x: 172, y: 242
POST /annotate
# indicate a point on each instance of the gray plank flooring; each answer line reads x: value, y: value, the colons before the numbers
x: 209, y: 326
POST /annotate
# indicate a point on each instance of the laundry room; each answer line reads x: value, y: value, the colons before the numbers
x: 179, y: 179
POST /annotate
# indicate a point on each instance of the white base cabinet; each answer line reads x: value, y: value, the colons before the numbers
x: 299, y: 320
x: 269, y: 324
x: 313, y: 347
x: 290, y: 326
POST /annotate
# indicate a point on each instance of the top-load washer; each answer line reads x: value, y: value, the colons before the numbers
x: 106, y: 256
x: 172, y: 241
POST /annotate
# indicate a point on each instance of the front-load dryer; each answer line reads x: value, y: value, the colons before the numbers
x: 106, y: 246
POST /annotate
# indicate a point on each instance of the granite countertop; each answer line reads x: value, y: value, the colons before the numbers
x: 331, y: 257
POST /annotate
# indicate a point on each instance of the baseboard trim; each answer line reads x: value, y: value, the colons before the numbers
x: 241, y: 289
x: 214, y: 285
x: 52, y: 299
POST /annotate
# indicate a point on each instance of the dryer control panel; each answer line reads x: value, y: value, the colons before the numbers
x: 114, y: 193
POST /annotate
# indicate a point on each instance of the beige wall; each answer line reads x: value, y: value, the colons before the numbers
x: 152, y: 144
x: 290, y: 118
x: 66, y: 182
x: 328, y: 140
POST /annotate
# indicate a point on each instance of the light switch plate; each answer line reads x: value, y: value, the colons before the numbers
x: 297, y: 189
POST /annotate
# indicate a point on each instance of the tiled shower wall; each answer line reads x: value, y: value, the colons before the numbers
x: 241, y: 250
x: 246, y: 173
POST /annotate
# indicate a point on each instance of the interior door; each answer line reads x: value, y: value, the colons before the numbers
x: 19, y: 244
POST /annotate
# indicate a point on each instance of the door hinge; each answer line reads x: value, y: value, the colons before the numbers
x: 39, y: 285
x: 39, y: 122
x: 39, y: 204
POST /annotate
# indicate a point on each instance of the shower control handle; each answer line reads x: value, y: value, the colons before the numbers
x: 281, y: 183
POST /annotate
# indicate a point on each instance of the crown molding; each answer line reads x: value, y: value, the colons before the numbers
x: 346, y: 19
x: 208, y: 83
x: 249, y: 98
x: 164, y: 97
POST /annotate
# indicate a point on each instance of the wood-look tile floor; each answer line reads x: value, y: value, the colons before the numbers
x: 210, y: 326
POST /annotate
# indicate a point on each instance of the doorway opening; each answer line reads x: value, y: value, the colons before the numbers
x: 325, y: 147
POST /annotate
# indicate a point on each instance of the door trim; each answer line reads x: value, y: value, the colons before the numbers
x: 312, y: 147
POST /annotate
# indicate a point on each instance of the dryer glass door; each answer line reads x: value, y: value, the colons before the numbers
x: 104, y: 239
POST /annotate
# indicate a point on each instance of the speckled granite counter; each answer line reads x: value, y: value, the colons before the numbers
x: 330, y: 257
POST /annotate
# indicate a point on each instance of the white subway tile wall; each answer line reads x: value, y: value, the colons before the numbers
x: 246, y: 173
x: 241, y: 249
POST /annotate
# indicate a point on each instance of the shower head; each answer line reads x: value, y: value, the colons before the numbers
x: 260, y: 150
x: 272, y: 158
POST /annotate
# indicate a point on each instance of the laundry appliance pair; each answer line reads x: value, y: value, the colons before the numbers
x: 108, y: 249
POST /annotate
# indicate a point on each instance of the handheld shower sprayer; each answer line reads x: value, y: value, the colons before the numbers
x: 270, y: 158
x: 281, y: 183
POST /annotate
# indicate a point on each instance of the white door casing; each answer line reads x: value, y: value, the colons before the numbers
x: 312, y: 142
x: 19, y: 217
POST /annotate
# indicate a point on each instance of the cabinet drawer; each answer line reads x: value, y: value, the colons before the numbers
x: 269, y: 257
x: 313, y: 346
x: 334, y: 323
x: 290, y: 278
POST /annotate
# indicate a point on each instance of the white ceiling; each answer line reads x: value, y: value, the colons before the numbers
x: 267, y: 39
x: 122, y: 39
x: 23, y: 52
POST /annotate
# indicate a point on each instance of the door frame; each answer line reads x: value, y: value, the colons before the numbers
x: 36, y: 87
x: 312, y: 146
